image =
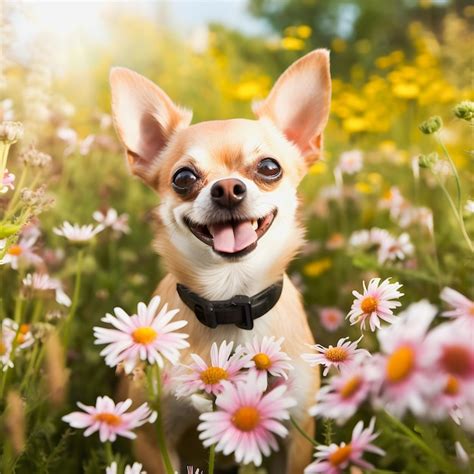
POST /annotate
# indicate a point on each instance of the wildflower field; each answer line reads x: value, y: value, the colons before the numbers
x: 87, y: 351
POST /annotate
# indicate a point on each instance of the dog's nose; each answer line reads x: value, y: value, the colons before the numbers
x: 229, y: 192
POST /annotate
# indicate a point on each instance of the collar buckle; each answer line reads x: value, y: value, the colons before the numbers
x: 245, y: 305
x: 204, y: 311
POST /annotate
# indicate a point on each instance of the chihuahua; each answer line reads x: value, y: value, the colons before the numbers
x: 228, y: 226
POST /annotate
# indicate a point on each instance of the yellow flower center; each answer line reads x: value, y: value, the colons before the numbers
x: 262, y: 361
x: 456, y: 360
x: 471, y: 310
x: 3, y: 348
x: 350, y: 387
x: 452, y: 386
x: 24, y: 328
x: 368, y: 305
x: 246, y: 418
x: 213, y: 375
x: 20, y: 339
x: 336, y: 354
x: 340, y: 455
x: 109, y: 418
x: 144, y: 335
x: 15, y: 250
x: 400, y: 364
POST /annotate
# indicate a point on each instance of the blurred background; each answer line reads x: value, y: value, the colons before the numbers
x: 394, y: 63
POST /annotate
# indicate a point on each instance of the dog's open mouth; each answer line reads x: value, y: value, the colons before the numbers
x: 234, y: 237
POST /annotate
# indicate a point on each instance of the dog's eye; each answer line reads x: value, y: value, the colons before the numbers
x: 269, y: 169
x: 183, y: 180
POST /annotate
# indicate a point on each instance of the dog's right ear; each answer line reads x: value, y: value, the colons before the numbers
x: 145, y: 118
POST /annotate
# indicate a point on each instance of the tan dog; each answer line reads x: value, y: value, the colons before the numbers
x: 228, y: 216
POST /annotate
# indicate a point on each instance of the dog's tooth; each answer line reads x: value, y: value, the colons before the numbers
x: 255, y: 224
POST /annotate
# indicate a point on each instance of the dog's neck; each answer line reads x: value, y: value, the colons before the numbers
x: 220, y: 282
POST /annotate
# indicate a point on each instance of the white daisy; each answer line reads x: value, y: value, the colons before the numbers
x: 112, y: 219
x: 144, y: 336
x: 76, y: 233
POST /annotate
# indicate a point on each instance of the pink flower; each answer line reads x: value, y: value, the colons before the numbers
x: 394, y: 248
x: 210, y: 377
x: 462, y: 308
x: 340, y: 356
x: 111, y: 219
x: 267, y: 359
x: 42, y: 282
x: 375, y: 303
x: 23, y: 251
x: 7, y: 182
x: 455, y: 365
x: 343, y: 395
x: 351, y: 162
x: 403, y: 374
x: 110, y: 419
x: 143, y: 336
x: 331, y: 318
x: 246, y: 421
x: 335, y: 458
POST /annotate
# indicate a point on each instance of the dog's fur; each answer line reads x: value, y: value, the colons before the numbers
x: 159, y: 140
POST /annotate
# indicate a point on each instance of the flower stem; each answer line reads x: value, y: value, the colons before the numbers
x: 160, y: 432
x: 109, y: 455
x: 456, y: 213
x: 302, y: 432
x: 212, y: 458
x: 455, y: 171
x: 418, y: 441
x: 75, y: 297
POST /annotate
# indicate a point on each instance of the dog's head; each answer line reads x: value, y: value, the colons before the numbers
x: 227, y: 188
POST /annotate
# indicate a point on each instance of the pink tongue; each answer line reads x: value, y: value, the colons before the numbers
x: 230, y: 238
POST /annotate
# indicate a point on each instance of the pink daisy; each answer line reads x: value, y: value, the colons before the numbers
x: 455, y: 363
x: 23, y: 251
x: 110, y: 419
x: 246, y: 421
x: 148, y: 335
x: 403, y: 374
x: 331, y: 318
x: 343, y: 395
x: 111, y: 218
x: 342, y: 355
x: 462, y: 308
x: 375, y: 303
x: 42, y: 282
x: 209, y: 377
x: 395, y: 248
x: 7, y: 181
x: 335, y: 458
x: 268, y: 359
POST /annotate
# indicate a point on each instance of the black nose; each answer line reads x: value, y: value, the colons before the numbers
x: 229, y: 192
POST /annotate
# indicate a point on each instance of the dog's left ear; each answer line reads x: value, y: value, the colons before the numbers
x: 299, y: 103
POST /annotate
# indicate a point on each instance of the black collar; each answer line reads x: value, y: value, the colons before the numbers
x: 240, y: 310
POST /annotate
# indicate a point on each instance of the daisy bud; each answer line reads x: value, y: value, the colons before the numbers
x: 432, y: 125
x: 15, y: 421
x: 427, y: 161
x: 465, y: 110
x: 10, y: 132
x: 7, y: 230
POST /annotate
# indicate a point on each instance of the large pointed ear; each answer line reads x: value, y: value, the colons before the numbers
x: 299, y: 102
x: 145, y: 118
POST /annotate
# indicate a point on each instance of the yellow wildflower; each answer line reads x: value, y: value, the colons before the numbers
x: 317, y: 267
x: 320, y: 167
x: 292, y: 44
